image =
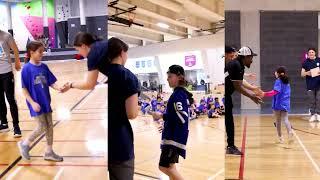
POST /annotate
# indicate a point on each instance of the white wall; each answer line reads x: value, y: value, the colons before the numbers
x: 207, y: 49
x: 92, y: 8
x: 215, y: 65
x: 184, y: 45
x: 166, y: 60
x: 149, y: 65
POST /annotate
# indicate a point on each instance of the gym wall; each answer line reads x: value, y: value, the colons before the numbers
x: 285, y: 36
x: 27, y: 22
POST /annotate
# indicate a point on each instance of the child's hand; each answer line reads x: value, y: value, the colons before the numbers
x: 160, y: 125
x: 65, y: 87
x: 156, y: 115
x: 36, y: 107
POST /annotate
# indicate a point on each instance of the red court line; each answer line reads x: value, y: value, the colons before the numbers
x: 63, y: 165
x: 243, y: 149
x: 4, y: 164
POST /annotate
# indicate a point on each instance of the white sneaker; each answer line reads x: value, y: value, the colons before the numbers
x: 290, y: 138
x: 312, y: 118
x: 312, y: 125
x: 279, y: 140
x: 317, y: 118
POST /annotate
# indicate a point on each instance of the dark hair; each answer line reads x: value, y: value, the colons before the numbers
x: 115, y: 47
x: 84, y: 38
x: 229, y: 49
x: 283, y: 76
x: 32, y: 46
x: 313, y: 49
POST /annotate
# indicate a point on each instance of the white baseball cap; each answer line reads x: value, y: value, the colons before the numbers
x: 246, y: 51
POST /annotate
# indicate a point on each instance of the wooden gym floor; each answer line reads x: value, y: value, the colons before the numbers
x: 264, y: 159
x: 80, y: 135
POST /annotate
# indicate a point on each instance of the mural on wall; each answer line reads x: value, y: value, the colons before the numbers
x: 31, y: 15
x: 27, y: 21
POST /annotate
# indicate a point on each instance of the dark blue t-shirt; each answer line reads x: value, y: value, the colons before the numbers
x: 154, y: 103
x: 312, y: 82
x: 97, y: 57
x: 37, y: 79
x: 122, y: 84
x: 217, y: 105
x: 144, y: 106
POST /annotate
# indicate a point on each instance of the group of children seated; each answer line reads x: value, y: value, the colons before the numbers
x: 208, y: 106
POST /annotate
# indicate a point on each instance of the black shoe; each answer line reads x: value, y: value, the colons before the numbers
x: 17, y: 132
x: 4, y: 128
x: 233, y: 150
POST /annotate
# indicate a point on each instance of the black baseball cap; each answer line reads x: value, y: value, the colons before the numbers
x: 229, y: 49
x: 176, y: 69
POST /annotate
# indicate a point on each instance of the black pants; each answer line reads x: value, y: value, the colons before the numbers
x: 7, y: 88
x: 229, y: 120
x: 121, y: 170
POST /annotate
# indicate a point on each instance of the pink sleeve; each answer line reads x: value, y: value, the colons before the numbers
x: 271, y: 93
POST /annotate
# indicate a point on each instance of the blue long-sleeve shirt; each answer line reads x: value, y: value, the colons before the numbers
x: 176, y: 121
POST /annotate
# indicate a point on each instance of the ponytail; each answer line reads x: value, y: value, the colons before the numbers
x: 283, y: 75
x: 284, y: 78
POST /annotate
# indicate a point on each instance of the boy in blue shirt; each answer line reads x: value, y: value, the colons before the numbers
x: 176, y: 121
x: 154, y: 103
x: 145, y: 106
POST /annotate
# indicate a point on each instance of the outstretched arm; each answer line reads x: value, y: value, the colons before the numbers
x: 270, y: 93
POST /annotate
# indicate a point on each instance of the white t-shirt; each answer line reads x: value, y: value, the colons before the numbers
x: 5, y: 58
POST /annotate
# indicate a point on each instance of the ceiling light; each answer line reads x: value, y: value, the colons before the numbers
x: 163, y: 25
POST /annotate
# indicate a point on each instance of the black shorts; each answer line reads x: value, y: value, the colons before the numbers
x: 168, y: 156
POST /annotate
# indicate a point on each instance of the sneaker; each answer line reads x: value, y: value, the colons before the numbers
x: 290, y: 138
x: 24, y: 150
x: 4, y: 128
x: 312, y: 118
x: 279, y: 140
x: 51, y: 156
x: 313, y: 125
x: 233, y: 150
x: 17, y: 132
x: 317, y: 118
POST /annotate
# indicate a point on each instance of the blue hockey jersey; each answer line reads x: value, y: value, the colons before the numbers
x: 176, y: 121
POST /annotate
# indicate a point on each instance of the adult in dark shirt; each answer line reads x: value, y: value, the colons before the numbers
x: 234, y: 71
x: 313, y: 83
x: 109, y: 57
x: 230, y: 53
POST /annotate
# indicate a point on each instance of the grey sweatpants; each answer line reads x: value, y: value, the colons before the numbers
x: 282, y: 116
x: 121, y: 170
x: 44, y: 125
x: 314, y: 101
